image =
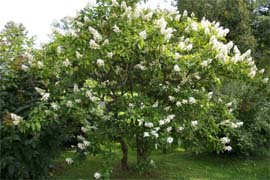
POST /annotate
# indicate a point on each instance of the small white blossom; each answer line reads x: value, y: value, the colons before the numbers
x: 184, y: 101
x: 146, y: 134
x: 24, y: 67
x: 154, y: 133
x: 69, y: 161
x: 116, y: 29
x: 143, y: 34
x: 177, y: 17
x: 176, y: 68
x: 161, y: 23
x: 169, y: 140
x: 45, y: 96
x: 192, y: 100
x: 115, y: 3
x: 261, y: 71
x: 162, y: 122
x: 178, y: 104
x: 97, y: 175
x: 239, y: 124
x: 140, y: 121
x: 40, y: 64
x: 204, y: 64
x: 171, y: 98
x: 16, y: 119
x: 84, y: 130
x: 265, y: 80
x: 106, y: 42
x: 180, y: 128
x: 171, y: 116
x: 227, y: 148
x: 86, y: 143
x: 66, y: 63
x: 78, y: 55
x: 69, y: 104
x: 252, y: 74
x: 229, y: 104
x: 81, y: 146
x: 78, y: 100
x: 185, y: 13
x: 109, y: 54
x: 93, y: 44
x: 75, y: 87
x: 194, y: 123
x: 88, y: 94
x: 123, y: 5
x: 189, y: 47
x: 148, y: 124
x: 100, y: 62
x: 156, y: 104
x: 169, y: 129
x: 54, y: 106
x: 210, y: 95
x: 225, y: 140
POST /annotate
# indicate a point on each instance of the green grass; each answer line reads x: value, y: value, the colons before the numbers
x: 173, y: 165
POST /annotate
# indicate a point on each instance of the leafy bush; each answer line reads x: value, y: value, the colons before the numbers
x: 27, y: 143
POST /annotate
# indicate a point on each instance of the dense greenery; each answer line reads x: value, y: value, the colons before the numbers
x: 252, y: 18
x: 27, y: 142
x: 146, y: 79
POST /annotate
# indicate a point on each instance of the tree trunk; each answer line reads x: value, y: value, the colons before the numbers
x: 141, y: 156
x: 124, y: 160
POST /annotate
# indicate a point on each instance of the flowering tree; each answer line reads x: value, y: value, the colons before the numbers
x: 144, y: 78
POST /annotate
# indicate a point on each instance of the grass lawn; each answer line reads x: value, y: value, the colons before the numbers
x: 173, y: 165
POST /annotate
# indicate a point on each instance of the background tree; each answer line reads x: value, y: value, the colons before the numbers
x: 27, y: 143
x: 232, y: 14
x: 250, y: 17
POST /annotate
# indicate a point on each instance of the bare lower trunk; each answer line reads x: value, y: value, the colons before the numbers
x: 141, y: 155
x: 124, y: 160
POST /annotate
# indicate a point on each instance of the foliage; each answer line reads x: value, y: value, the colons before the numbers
x: 145, y: 79
x: 232, y: 14
x: 27, y: 143
x: 252, y: 18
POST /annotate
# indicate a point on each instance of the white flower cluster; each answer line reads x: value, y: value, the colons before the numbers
x: 15, y: 118
x: 168, y: 33
x: 91, y: 96
x: 194, y: 123
x: 231, y: 124
x: 69, y: 104
x: 93, y: 44
x: 66, y: 63
x: 169, y: 140
x: 100, y: 62
x: 83, y: 145
x: 185, y: 45
x: 143, y: 34
x: 116, y: 29
x: 167, y: 120
x: 97, y: 175
x: 96, y: 36
x: 69, y: 161
x: 55, y: 106
x: 224, y: 141
x: 42, y: 92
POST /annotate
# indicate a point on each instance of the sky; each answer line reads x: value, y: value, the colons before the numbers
x: 38, y: 15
